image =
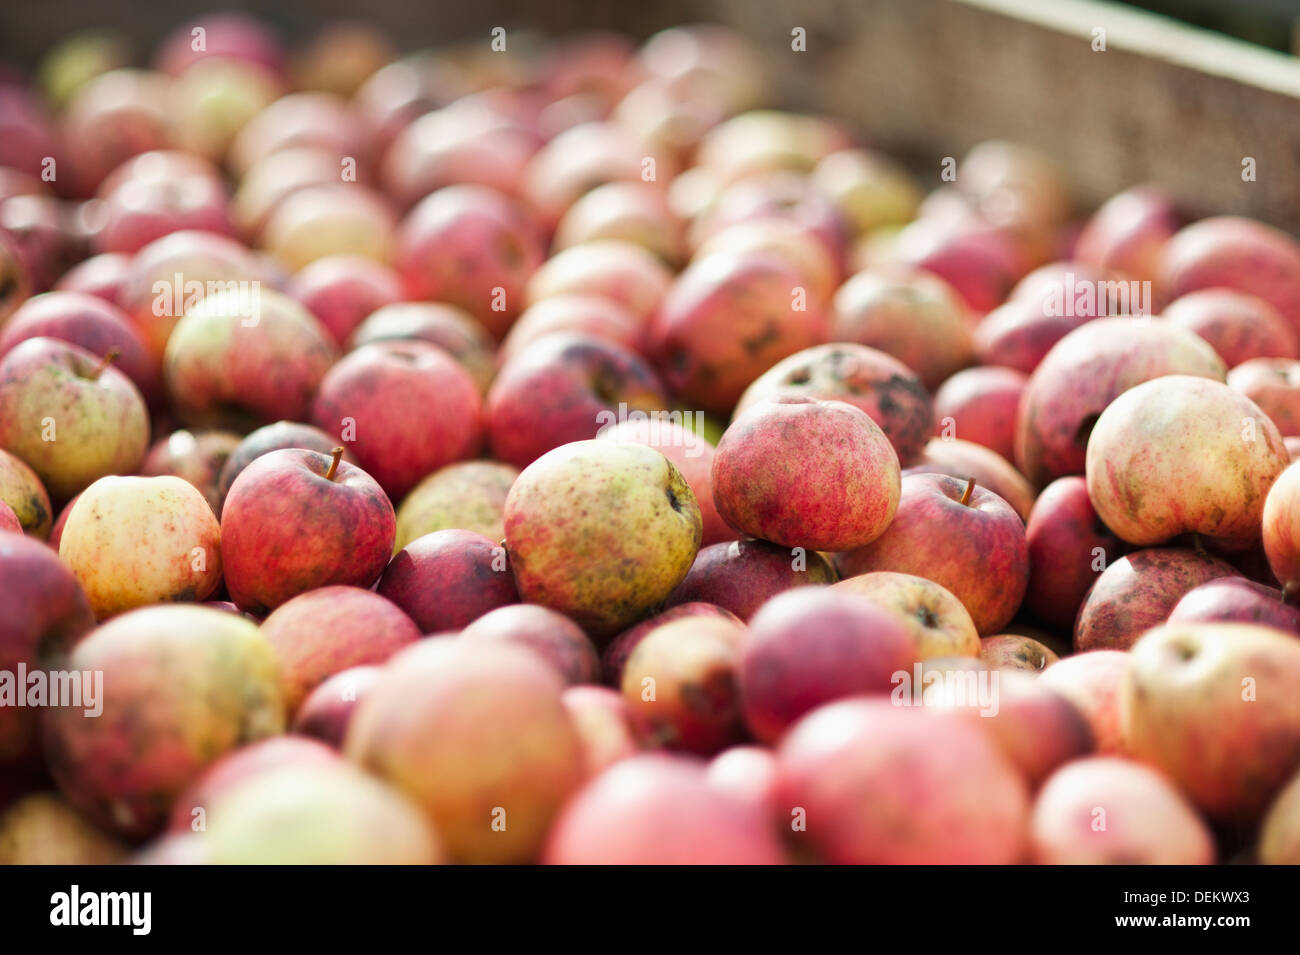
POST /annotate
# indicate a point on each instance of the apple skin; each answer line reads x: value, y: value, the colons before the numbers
x: 111, y: 118
x: 938, y: 622
x: 1012, y: 651
x: 614, y: 269
x: 1128, y: 232
x: 461, y: 728
x: 137, y: 209
x: 1138, y: 591
x: 813, y: 645
x: 102, y: 276
x: 42, y: 829
x: 1281, y: 529
x: 468, y: 495
x: 740, y: 576
x: 9, y: 520
x: 600, y: 716
x: 1238, y: 325
x: 304, y: 118
x: 746, y: 773
x: 552, y: 636
x: 327, y: 710
x: 1234, y: 600
x: 196, y: 456
x: 272, y: 437
x: 448, y: 579
x: 622, y: 552
x: 366, y: 399
x: 237, y: 36
x: 287, y: 529
x: 1083, y: 373
x: 1065, y: 536
x: 1018, y: 335
x: 452, y: 329
x: 592, y: 315
x: 1237, y: 253
x: 1094, y: 683
x: 796, y: 243
x: 633, y: 211
x: 101, y: 421
x: 981, y: 556
x: 1274, y: 385
x: 46, y: 614
x: 133, y: 541
x: 680, y: 685
x: 1199, y: 702
x: 461, y: 243
x: 887, y: 390
x: 90, y: 323
x: 763, y: 485
x: 728, y: 319
x: 228, y: 367
x: 963, y: 459
x: 25, y: 495
x: 613, y: 659
x: 182, y: 686
x: 979, y: 261
x: 341, y: 290
x: 659, y: 809
x: 858, y: 766
x: 980, y: 404
x: 559, y: 389
x: 1279, y: 834
x: 325, y: 631
x: 1183, y: 438
x: 1146, y: 820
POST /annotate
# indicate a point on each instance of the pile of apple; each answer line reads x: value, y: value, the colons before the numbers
x: 536, y: 452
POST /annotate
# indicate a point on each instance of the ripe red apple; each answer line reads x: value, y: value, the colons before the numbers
x: 325, y: 631
x: 1209, y: 705
x: 1137, y: 592
x: 1128, y: 232
x: 1069, y: 546
x: 1238, y: 325
x: 850, y: 770
x: 1110, y: 811
x: 196, y: 456
x: 452, y: 329
x: 1281, y: 530
x: 42, y: 829
x: 1018, y: 335
x: 117, y: 115
x: 980, y: 262
x: 69, y: 414
x: 448, y: 579
x: 939, y: 625
x: 962, y: 459
x: 103, y: 276
x: 138, y: 209
x: 25, y: 495
x: 341, y: 290
x: 295, y: 520
x: 562, y: 388
x: 795, y: 243
x: 469, y: 495
x: 552, y: 636
x: 232, y: 35
x: 592, y: 315
x: 613, y: 658
x: 979, y: 405
x: 740, y: 576
x: 1274, y: 385
x: 631, y: 211
x: 763, y: 486
x: 1236, y: 600
x: 298, y: 119
x: 813, y: 645
x: 612, y: 268
x: 478, y: 737
x: 599, y: 714
x: 327, y: 710
x: 1094, y: 683
x: 270, y: 437
x: 980, y: 554
x: 365, y: 400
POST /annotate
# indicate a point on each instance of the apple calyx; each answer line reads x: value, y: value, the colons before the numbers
x: 970, y: 489
x: 110, y: 356
x: 337, y: 454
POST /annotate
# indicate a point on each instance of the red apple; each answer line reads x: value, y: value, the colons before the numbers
x: 965, y: 460
x: 613, y: 658
x: 552, y: 636
x: 1094, y: 683
x: 1238, y: 325
x: 1128, y: 232
x: 740, y: 576
x: 622, y: 271
x: 979, y: 405
x: 1281, y: 530
x: 103, y: 276
x: 1018, y: 335
x: 452, y: 329
x: 327, y: 710
x: 341, y: 290
x: 1235, y: 600
x: 588, y: 314
x: 600, y: 716
x: 1274, y: 385
x: 448, y: 579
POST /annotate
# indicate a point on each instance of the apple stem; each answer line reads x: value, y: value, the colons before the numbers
x: 109, y: 357
x: 1198, y: 545
x: 970, y: 489
x: 334, y: 465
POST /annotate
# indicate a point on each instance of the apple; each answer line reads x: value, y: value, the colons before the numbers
x: 1281, y: 530
x: 1279, y: 834
x: 613, y: 659
x: 765, y: 140
x: 9, y: 520
x: 275, y: 177
x: 1013, y: 651
x: 69, y: 414
x: 713, y: 59
x: 327, y: 220
x: 342, y: 290
x: 631, y: 211
x: 16, y: 280
x: 1238, y: 325
x: 229, y: 35
x: 196, y: 456
x: 447, y: 579
x: 979, y: 261
x: 478, y: 737
x: 327, y: 710
x: 763, y: 486
x: 868, y: 188
x: 726, y: 320
x: 848, y: 771
x: 181, y: 686
x: 914, y: 317
x: 342, y: 56
x: 365, y: 400
x: 270, y: 437
x: 22, y: 491
x: 963, y: 459
x: 592, y: 315
x: 468, y: 495
x: 214, y: 98
x: 659, y: 809
x: 42, y: 829
x: 296, y: 520
x: 1069, y: 546
x: 331, y: 629
x: 1236, y: 600
x: 1019, y: 191
x: 1084, y: 372
x: 1209, y: 454
x: 1198, y: 698
x: 450, y: 328
x: 1128, y: 232
x: 561, y: 389
x: 600, y: 716
x: 980, y: 554
x: 103, y: 276
x: 612, y: 268
x: 939, y: 624
x: 1107, y: 811
x: 552, y: 636
x: 1274, y: 385
x: 305, y: 118
x: 42, y: 229
x: 812, y: 645
x: 46, y: 614
x: 740, y: 576
x: 680, y: 683
x: 116, y: 115
x: 1094, y: 683
x: 1138, y: 591
x: 979, y: 405
x: 243, y: 360
x: 139, y: 209
x: 1018, y: 335
x: 748, y: 774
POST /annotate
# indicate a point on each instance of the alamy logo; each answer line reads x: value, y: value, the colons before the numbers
x: 78, y: 689
x: 75, y: 907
